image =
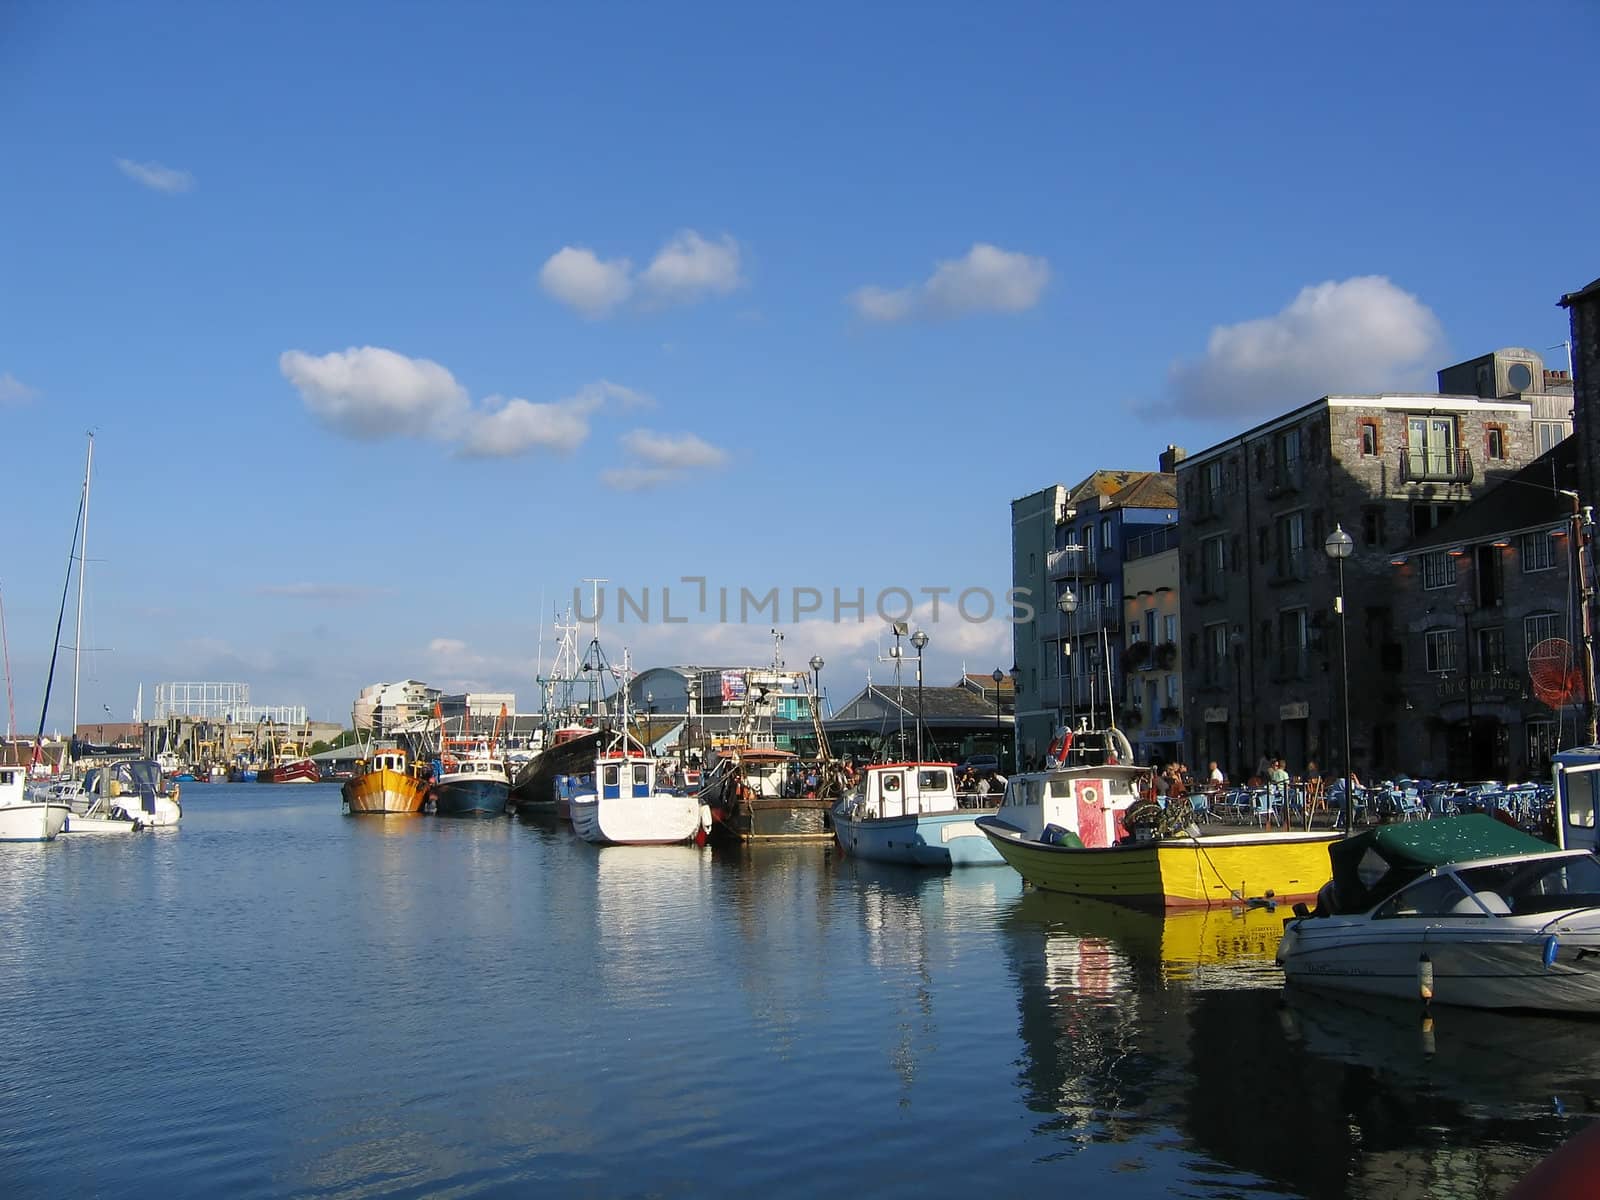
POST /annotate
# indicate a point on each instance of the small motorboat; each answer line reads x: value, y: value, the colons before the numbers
x: 1458, y: 910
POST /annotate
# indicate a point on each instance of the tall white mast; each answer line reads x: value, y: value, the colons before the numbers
x: 83, y: 561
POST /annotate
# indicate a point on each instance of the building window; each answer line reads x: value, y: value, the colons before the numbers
x: 1538, y: 628
x: 1492, y: 650
x: 1495, y: 442
x: 1438, y: 570
x: 1172, y: 691
x: 1429, y: 516
x: 1292, y: 546
x: 1369, y: 439
x: 1211, y: 566
x: 1216, y: 650
x: 1293, y: 640
x: 1169, y: 632
x: 1549, y: 434
x: 1105, y: 534
x: 1372, y: 526
x: 1431, y: 453
x: 1538, y: 552
x: 1541, y: 744
x: 1439, y: 648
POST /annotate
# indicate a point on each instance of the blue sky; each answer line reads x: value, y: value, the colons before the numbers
x: 393, y: 319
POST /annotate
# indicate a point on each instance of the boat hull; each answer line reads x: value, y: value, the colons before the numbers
x: 948, y: 839
x: 1486, y: 967
x: 1188, y: 873
x: 659, y: 819
x: 302, y: 770
x: 471, y: 797
x: 385, y: 792
x: 774, y: 820
x: 32, y: 822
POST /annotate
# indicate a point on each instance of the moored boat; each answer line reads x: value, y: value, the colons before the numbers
x: 471, y: 784
x: 624, y: 807
x: 290, y: 769
x: 1458, y: 910
x: 25, y: 820
x: 386, y: 782
x: 137, y: 787
x: 753, y: 799
x: 1066, y: 829
x: 911, y: 813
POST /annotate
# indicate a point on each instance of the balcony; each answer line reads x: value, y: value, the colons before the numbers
x: 1436, y: 466
x: 1067, y: 561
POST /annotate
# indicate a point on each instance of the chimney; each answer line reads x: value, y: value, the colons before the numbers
x: 1171, y: 457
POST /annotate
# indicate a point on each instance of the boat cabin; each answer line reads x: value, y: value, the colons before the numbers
x: 389, y: 760
x: 624, y: 775
x: 1087, y: 802
x: 12, y: 783
x: 1576, y: 775
x: 905, y: 790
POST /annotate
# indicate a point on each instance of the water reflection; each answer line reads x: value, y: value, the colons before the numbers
x: 1139, y: 1028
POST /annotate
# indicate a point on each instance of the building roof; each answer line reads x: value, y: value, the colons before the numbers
x: 1582, y: 293
x: 985, y: 683
x: 1529, y: 499
x: 1157, y: 489
x: 946, y: 706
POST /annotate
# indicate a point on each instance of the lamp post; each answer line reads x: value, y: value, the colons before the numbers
x: 1236, y: 640
x: 999, y: 742
x: 1465, y: 607
x: 1016, y: 743
x: 919, y: 639
x: 691, y: 690
x: 1068, y: 604
x: 816, y: 682
x: 1338, y: 547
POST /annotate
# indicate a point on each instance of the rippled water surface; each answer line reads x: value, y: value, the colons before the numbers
x: 277, y: 1000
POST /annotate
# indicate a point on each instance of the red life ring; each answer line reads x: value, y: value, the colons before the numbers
x: 1060, y: 747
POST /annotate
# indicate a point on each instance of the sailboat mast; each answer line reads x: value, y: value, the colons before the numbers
x: 11, y: 707
x: 83, y: 561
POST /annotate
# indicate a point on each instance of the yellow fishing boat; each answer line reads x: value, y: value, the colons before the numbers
x: 1228, y: 867
x: 387, y: 782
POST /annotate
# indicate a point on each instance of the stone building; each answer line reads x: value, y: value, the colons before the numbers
x: 1479, y: 604
x: 1068, y: 550
x: 1257, y: 590
x: 1583, y: 308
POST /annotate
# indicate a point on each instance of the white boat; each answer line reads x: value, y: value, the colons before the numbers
x: 25, y: 820
x: 136, y: 787
x: 910, y: 813
x: 1457, y: 910
x: 625, y: 808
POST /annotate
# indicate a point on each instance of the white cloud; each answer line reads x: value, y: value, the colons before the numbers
x: 985, y: 279
x: 689, y: 267
x: 515, y: 426
x: 673, y: 450
x: 661, y: 458
x: 580, y: 279
x: 156, y: 177
x: 369, y: 392
x: 1358, y: 335
x: 14, y: 391
x: 455, y: 666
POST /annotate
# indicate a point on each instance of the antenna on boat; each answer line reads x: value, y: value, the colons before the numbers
x: 83, y: 564
x: 896, y: 656
x: 11, y: 707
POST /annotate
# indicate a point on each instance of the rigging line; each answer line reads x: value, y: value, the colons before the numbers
x: 61, y: 616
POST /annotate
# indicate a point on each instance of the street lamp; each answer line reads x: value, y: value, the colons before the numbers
x: 1068, y: 604
x: 816, y: 682
x: 1016, y: 690
x: 1338, y: 547
x: 919, y: 639
x: 691, y: 690
x: 999, y: 741
x: 1465, y: 607
x: 1236, y: 640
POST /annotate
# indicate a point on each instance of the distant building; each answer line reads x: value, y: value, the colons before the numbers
x: 1068, y: 550
x: 385, y: 707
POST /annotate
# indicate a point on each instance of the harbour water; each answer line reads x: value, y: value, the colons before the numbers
x: 278, y: 1000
